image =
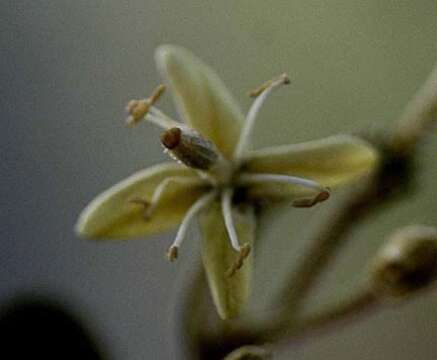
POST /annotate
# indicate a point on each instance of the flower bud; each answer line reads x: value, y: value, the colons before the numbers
x: 406, y: 262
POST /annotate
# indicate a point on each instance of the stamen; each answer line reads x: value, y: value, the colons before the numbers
x: 163, y: 122
x: 257, y: 91
x: 144, y: 109
x: 154, y: 111
x: 227, y: 216
x: 243, y: 250
x: 323, y: 192
x: 138, y: 109
x: 261, y: 94
x: 245, y: 179
x: 209, y: 178
x: 190, y: 148
x: 320, y: 197
x: 144, y: 203
x: 172, y: 252
x: 244, y: 253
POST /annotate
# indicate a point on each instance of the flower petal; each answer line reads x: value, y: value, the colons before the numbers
x: 201, y: 97
x: 331, y: 162
x: 229, y: 293
x: 112, y: 214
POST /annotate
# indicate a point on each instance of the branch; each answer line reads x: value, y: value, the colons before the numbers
x: 418, y: 116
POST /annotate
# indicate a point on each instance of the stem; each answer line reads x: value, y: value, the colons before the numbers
x: 358, y: 304
x: 363, y: 302
x: 192, y: 309
x: 323, y: 249
x: 418, y: 115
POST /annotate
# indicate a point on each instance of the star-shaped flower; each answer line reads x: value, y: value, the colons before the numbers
x: 216, y: 177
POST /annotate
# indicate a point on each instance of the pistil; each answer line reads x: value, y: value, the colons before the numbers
x: 190, y: 148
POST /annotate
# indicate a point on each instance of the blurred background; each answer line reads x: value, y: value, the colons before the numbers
x: 67, y: 68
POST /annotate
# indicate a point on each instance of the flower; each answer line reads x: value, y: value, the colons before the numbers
x: 406, y: 262
x: 217, y: 178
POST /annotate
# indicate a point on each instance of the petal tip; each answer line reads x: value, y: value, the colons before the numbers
x: 363, y: 149
x: 162, y: 51
x: 82, y: 228
x: 166, y: 53
x: 226, y: 314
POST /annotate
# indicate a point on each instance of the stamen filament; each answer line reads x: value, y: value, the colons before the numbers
x: 227, y: 216
x: 261, y: 94
x: 159, y: 121
x: 193, y: 210
x: 162, y: 187
x: 207, y: 177
x: 322, y: 195
x: 165, y: 118
x: 246, y: 179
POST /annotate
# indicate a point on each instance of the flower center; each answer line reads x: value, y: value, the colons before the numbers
x: 226, y: 178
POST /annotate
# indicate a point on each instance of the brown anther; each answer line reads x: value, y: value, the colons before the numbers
x: 171, y: 138
x: 145, y: 204
x: 323, y: 195
x: 157, y: 93
x: 283, y: 78
x: 137, y: 109
x: 244, y: 253
x: 305, y: 203
x: 172, y: 253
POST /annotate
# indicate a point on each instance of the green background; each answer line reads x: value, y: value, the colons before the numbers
x: 67, y: 68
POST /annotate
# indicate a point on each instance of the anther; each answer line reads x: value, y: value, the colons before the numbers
x: 138, y: 109
x: 283, y: 79
x: 172, y: 253
x: 309, y: 202
x: 144, y: 203
x: 190, y: 148
x: 243, y: 254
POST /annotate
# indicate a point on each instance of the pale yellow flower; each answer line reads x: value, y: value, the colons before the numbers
x: 217, y: 178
